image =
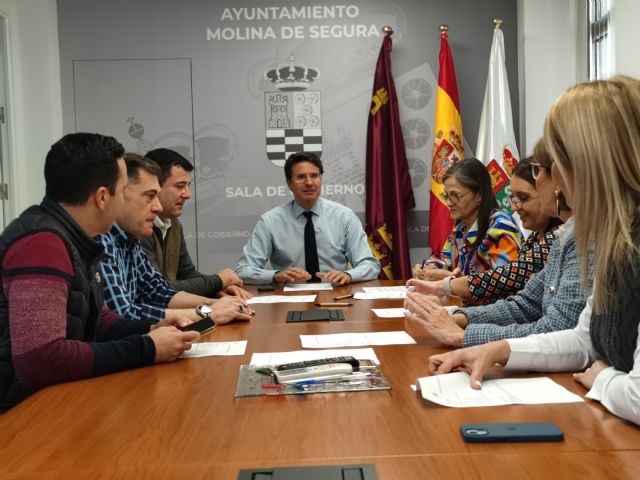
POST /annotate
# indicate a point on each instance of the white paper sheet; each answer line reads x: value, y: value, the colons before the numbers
x: 397, y: 288
x: 400, y: 312
x: 355, y: 339
x: 449, y: 308
x: 279, y: 358
x: 389, y: 312
x: 379, y: 295
x: 307, y: 287
x: 208, y: 349
x: 453, y: 390
x: 373, y: 293
x: 282, y: 299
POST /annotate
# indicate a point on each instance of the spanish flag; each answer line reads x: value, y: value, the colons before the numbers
x: 389, y: 191
x: 448, y: 145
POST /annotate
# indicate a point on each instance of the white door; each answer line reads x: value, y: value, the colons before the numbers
x: 4, y: 136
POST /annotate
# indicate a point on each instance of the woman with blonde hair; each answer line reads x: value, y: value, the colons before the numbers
x: 593, y: 135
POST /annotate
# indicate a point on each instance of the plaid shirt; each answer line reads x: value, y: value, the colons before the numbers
x: 133, y: 288
x: 551, y: 300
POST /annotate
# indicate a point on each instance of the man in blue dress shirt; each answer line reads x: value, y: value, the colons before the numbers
x: 343, y: 254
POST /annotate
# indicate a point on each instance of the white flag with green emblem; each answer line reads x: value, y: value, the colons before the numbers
x: 497, y: 147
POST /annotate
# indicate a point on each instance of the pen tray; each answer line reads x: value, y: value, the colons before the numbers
x: 253, y: 382
x: 314, y: 315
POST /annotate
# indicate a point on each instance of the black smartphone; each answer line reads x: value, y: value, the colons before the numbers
x: 266, y: 288
x: 203, y: 326
x: 511, y: 432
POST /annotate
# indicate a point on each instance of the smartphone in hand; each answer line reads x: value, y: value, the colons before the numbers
x: 511, y: 432
x: 202, y: 326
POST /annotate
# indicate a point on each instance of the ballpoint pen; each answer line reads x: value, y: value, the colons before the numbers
x: 333, y: 304
x: 310, y: 382
x: 342, y: 297
x: 353, y: 379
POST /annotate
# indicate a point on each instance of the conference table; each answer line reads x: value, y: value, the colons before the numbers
x: 182, y: 419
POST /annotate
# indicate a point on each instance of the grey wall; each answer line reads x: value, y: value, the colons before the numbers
x: 156, y: 73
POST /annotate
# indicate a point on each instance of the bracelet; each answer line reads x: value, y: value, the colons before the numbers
x: 435, y: 263
x: 447, y: 285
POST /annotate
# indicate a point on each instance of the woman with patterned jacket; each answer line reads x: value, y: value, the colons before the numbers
x: 483, y: 236
x: 541, y: 209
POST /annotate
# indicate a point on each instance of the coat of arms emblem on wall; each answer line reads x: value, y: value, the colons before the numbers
x: 293, y: 115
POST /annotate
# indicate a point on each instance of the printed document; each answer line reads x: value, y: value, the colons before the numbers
x: 209, y: 349
x: 453, y: 390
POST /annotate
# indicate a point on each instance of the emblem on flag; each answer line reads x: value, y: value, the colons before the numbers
x: 293, y: 116
x: 509, y: 160
x: 500, y: 184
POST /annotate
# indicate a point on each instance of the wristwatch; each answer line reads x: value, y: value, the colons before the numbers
x: 446, y: 285
x: 204, y: 310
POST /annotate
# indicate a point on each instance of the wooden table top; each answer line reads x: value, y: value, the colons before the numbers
x: 182, y: 419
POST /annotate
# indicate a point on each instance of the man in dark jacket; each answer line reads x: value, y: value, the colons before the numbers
x: 166, y: 247
x: 54, y: 326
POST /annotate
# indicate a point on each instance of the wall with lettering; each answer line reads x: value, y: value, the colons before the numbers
x: 235, y: 86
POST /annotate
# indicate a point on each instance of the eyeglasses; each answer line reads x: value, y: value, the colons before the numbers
x: 535, y: 170
x: 454, y: 197
x: 518, y: 203
x: 303, y: 176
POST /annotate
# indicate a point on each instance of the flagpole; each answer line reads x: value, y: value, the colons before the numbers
x: 496, y: 146
x: 389, y: 191
x: 447, y: 145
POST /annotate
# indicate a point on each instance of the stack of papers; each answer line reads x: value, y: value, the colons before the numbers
x: 454, y: 390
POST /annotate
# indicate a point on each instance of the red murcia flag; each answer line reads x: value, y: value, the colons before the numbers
x: 389, y: 192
